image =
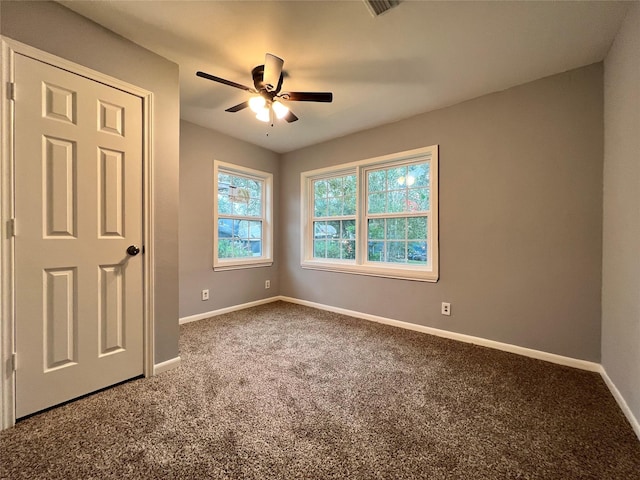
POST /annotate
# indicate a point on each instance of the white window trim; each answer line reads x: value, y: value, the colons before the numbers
x: 266, y: 259
x: 361, y: 266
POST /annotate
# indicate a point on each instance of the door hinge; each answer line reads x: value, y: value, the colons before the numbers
x: 11, y: 227
x: 14, y: 362
x: 11, y: 91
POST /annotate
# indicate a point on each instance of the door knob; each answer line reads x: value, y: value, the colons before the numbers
x: 133, y: 250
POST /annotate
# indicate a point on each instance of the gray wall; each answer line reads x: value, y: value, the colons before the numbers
x: 198, y: 148
x: 621, y: 240
x: 520, y: 217
x: 57, y: 30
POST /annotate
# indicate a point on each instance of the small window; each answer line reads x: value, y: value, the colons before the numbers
x: 374, y: 217
x: 242, y: 216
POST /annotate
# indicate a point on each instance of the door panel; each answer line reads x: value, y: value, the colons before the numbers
x: 78, y: 200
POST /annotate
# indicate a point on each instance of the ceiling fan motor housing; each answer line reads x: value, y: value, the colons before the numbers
x: 258, y: 81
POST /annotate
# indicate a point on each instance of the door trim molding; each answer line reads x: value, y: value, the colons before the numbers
x: 8, y: 49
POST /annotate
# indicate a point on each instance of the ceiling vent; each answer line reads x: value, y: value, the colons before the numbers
x: 378, y: 7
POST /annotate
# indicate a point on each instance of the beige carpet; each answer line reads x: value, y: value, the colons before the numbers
x: 282, y: 391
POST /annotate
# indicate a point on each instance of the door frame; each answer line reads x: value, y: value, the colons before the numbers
x: 8, y: 49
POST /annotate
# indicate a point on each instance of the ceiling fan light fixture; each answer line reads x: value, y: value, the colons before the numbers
x: 265, y: 101
x: 257, y: 104
x: 279, y: 109
x: 263, y: 114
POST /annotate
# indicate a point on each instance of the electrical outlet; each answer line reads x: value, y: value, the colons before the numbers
x: 446, y: 308
x: 205, y: 295
x: 267, y: 284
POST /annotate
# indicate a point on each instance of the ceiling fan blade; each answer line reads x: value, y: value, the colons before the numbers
x: 272, y: 72
x: 237, y: 108
x: 223, y: 81
x: 290, y: 117
x: 308, y: 96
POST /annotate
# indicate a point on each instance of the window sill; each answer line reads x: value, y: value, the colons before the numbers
x: 221, y: 267
x: 405, y: 273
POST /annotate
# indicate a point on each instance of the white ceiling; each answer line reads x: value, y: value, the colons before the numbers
x: 417, y: 57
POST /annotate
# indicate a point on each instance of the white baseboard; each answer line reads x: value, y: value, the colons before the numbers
x: 621, y: 401
x: 527, y: 352
x: 166, y: 365
x: 214, y: 313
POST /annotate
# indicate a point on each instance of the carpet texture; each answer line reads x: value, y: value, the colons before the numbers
x: 282, y: 391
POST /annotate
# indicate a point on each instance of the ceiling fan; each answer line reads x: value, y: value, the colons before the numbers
x: 267, y: 80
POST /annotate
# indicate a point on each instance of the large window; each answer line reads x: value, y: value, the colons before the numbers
x: 242, y: 216
x: 374, y: 217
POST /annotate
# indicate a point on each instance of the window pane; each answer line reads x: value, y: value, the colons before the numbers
x: 335, y: 207
x: 417, y: 252
x: 376, y: 181
x: 348, y: 249
x: 241, y: 249
x: 375, y: 229
x: 225, y: 249
x: 224, y: 204
x: 254, y: 208
x: 334, y: 197
x: 224, y: 178
x: 255, y: 230
x: 242, y: 229
x: 400, y: 240
x: 255, y: 246
x: 335, y: 187
x: 335, y: 240
x: 239, y: 196
x: 349, y: 185
x: 405, y: 187
x: 418, y: 175
x: 376, y: 252
x: 255, y: 189
x: 396, y: 228
x: 418, y: 199
x: 348, y: 230
x: 239, y: 208
x: 225, y: 228
x: 333, y: 249
x: 349, y: 205
x: 396, y: 252
x: 377, y: 203
x: 324, y: 230
x: 255, y: 238
x: 320, y: 188
x: 397, y: 201
x: 334, y: 228
x: 320, y: 248
x: 396, y: 177
x: 320, y: 208
x: 239, y: 182
x: 417, y: 228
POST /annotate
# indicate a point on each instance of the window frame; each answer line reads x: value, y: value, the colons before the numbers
x: 361, y: 265
x: 266, y: 259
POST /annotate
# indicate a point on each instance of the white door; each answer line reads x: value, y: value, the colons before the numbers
x: 78, y: 207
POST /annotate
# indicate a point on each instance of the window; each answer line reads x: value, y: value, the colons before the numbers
x: 334, y: 217
x: 242, y: 215
x: 374, y: 217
